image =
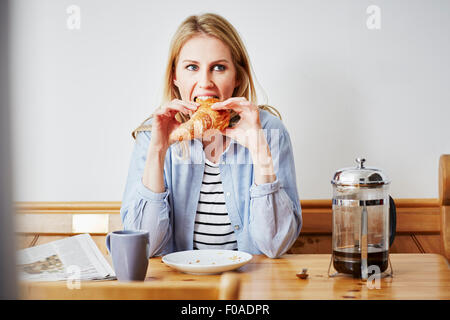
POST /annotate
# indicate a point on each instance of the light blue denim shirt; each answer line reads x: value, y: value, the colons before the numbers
x: 266, y: 218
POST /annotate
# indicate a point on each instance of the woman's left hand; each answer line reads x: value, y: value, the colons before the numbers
x: 248, y: 130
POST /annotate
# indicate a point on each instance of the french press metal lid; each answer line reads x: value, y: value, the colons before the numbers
x: 360, y: 176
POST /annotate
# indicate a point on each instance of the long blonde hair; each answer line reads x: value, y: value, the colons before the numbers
x: 216, y: 26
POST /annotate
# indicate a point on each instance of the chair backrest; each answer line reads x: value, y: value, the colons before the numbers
x: 444, y: 201
x: 227, y: 288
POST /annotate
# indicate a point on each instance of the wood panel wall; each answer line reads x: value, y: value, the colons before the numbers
x: 418, y: 224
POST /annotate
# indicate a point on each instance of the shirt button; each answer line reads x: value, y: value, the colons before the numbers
x: 228, y: 194
x: 223, y: 162
x: 236, y: 227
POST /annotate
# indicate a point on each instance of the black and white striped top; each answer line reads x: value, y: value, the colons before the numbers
x: 212, y: 229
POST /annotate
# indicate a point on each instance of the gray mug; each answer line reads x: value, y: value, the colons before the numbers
x: 130, y: 253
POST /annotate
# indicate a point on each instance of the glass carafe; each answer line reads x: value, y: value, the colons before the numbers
x: 364, y: 221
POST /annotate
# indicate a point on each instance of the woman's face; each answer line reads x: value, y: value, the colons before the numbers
x: 205, y: 68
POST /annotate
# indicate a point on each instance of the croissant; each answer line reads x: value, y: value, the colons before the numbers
x: 202, y: 120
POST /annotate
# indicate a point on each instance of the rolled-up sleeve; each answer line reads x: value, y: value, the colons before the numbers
x: 143, y: 209
x: 275, y: 212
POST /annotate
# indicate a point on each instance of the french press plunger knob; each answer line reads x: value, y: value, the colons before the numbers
x: 360, y: 162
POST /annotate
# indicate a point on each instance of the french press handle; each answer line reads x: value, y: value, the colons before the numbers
x: 392, y: 220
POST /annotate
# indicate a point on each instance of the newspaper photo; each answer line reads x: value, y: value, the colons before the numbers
x: 69, y: 258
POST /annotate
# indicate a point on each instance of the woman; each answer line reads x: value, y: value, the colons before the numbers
x: 214, y: 197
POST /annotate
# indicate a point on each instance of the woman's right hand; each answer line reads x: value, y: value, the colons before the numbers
x: 164, y: 121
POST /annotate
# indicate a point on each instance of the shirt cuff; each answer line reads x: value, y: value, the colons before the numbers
x: 149, y: 195
x: 264, y: 189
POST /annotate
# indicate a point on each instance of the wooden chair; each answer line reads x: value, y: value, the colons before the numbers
x: 225, y: 289
x: 444, y: 201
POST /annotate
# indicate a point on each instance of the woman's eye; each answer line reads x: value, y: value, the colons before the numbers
x: 219, y: 67
x: 192, y: 67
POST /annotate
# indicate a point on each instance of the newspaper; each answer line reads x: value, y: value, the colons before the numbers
x: 76, y: 258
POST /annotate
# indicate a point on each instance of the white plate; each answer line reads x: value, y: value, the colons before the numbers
x: 206, y: 261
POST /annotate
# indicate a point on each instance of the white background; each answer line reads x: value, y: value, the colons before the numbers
x: 343, y: 90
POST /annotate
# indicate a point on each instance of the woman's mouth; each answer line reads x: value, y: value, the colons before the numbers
x: 205, y: 98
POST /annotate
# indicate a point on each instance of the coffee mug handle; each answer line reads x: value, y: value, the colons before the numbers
x: 148, y: 248
x: 108, y: 242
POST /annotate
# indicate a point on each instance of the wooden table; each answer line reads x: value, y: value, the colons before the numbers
x: 416, y: 276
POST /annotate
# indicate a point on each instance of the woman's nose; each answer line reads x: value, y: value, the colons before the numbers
x: 205, y: 80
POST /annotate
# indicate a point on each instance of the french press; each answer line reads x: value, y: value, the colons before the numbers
x: 364, y: 221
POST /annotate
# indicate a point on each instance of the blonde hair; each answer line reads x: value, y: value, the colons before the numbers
x: 216, y: 26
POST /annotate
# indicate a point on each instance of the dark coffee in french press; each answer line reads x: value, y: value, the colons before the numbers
x: 348, y: 260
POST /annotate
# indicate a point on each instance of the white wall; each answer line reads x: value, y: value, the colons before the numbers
x: 344, y: 90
